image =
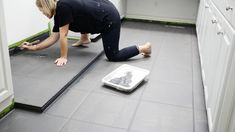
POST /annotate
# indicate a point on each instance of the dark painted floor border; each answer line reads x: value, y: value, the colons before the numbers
x: 16, y: 50
x: 160, y: 22
x: 49, y: 102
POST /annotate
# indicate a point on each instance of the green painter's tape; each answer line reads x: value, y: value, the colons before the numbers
x: 7, y: 110
x: 27, y: 39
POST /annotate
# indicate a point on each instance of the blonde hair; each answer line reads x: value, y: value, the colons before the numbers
x: 47, y: 6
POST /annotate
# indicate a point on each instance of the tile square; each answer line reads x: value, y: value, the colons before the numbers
x: 153, y: 117
x: 106, y: 110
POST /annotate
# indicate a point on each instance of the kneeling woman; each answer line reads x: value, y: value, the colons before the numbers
x: 86, y: 16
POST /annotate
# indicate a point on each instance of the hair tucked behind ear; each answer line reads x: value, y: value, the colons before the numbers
x: 47, y: 6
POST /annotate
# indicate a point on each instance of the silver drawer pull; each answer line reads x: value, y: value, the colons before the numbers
x: 229, y: 8
x: 206, y: 6
x: 213, y: 21
x: 220, y: 33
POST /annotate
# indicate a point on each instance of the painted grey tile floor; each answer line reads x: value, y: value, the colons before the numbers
x: 170, y: 100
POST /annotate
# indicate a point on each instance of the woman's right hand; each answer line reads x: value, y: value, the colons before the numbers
x: 29, y: 46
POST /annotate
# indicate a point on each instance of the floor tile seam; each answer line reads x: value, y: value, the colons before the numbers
x: 54, y: 115
x: 82, y: 90
x: 140, y: 98
x: 70, y: 115
x: 173, y: 82
x: 63, y: 126
x: 94, y: 123
x: 115, y: 95
x: 154, y: 63
x: 170, y: 82
x: 167, y: 104
x: 80, y: 104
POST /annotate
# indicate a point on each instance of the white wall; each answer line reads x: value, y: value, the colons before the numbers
x: 23, y: 19
x: 163, y: 10
x: 121, y: 6
x: 6, y: 88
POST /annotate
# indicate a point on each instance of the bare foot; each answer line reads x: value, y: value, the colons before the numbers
x: 145, y: 49
x: 81, y: 42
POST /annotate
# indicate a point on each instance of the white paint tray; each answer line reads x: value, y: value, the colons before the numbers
x: 125, y: 78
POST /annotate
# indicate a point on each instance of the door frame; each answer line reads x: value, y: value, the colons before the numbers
x: 6, y: 92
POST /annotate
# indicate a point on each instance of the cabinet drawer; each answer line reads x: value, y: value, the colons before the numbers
x: 227, y: 9
x: 226, y: 25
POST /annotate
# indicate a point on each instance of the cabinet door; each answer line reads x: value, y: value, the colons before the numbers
x: 204, y: 38
x: 227, y: 8
x: 211, y: 55
x: 209, y: 47
x: 218, y: 85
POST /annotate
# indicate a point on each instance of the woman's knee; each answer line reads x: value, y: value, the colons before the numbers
x: 113, y: 59
x: 116, y: 58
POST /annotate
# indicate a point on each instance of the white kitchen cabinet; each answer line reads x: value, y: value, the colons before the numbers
x: 216, y: 38
x: 6, y: 88
x: 226, y: 119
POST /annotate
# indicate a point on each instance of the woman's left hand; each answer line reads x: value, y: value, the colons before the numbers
x: 60, y: 61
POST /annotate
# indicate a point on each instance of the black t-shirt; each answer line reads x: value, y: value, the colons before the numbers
x: 85, y: 16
